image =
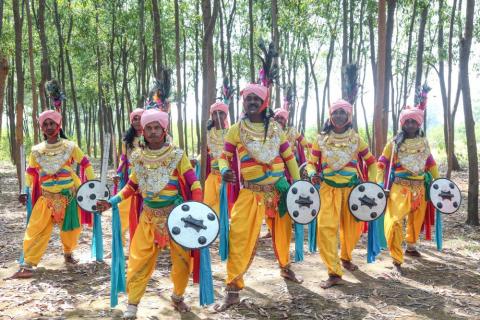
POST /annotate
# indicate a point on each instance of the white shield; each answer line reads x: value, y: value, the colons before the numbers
x: 193, y: 225
x: 445, y: 195
x: 89, y: 193
x: 303, y: 202
x: 367, y: 201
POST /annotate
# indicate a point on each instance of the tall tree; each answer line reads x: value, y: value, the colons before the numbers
x: 179, y: 77
x: 379, y: 111
x: 251, y: 47
x: 36, y: 130
x: 141, y: 54
x: 18, y: 23
x: 45, y: 64
x: 208, y: 73
x: 157, y: 38
x: 465, y: 47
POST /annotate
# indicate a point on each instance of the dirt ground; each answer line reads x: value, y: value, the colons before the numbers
x: 440, y: 285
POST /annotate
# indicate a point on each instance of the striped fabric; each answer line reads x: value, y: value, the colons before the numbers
x: 65, y: 178
x: 253, y: 170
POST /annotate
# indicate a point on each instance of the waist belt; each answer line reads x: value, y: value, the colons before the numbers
x: 408, y: 182
x: 157, y: 212
x: 215, y: 172
x: 259, y: 187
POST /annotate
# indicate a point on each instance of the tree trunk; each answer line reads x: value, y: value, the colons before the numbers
x: 3, y: 77
x: 465, y: 46
x: 179, y: 77
x: 252, y: 56
x: 303, y: 112
x: 208, y: 73
x: 141, y: 61
x: 230, y: 21
x: 61, y: 58
x: 18, y: 23
x: 113, y: 75
x: 421, y: 46
x: 78, y: 128
x: 327, y: 80
x: 185, y: 134
x: 32, y: 77
x: 379, y: 111
x: 409, y: 50
x: 344, y: 42
x: 157, y: 38
x: 276, y: 40
x: 11, y: 116
x: 197, y: 58
x: 315, y: 83
x: 45, y: 64
x: 388, y: 63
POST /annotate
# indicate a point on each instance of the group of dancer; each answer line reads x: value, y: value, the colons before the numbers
x: 257, y: 158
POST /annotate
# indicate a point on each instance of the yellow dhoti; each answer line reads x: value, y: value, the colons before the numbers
x: 404, y: 201
x: 212, y: 191
x: 246, y: 221
x: 39, y: 230
x: 124, y: 211
x: 334, y: 214
x: 143, y: 257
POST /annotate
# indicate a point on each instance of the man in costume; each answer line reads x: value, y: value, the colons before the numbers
x: 130, y: 142
x: 163, y: 175
x: 51, y: 187
x: 217, y: 128
x: 335, y: 160
x: 413, y: 168
x: 263, y: 151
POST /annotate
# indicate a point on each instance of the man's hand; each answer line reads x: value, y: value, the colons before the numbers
x: 116, y: 180
x: 315, y: 179
x: 229, y: 176
x: 103, y: 205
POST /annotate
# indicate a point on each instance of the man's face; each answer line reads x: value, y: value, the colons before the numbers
x: 136, y: 123
x: 252, y: 104
x: 154, y: 133
x: 50, y: 128
x: 219, y: 117
x: 411, y: 126
x: 339, y: 118
x: 282, y: 121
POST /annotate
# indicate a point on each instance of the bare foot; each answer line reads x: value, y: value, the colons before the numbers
x: 22, y: 273
x: 231, y: 298
x: 349, y: 265
x: 331, y: 281
x: 180, y: 306
x: 288, y: 274
x: 69, y: 259
x: 397, y: 270
x: 413, y: 253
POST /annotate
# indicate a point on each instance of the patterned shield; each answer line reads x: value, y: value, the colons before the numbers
x: 303, y: 202
x: 193, y: 225
x: 445, y: 195
x: 367, y: 201
x: 89, y: 193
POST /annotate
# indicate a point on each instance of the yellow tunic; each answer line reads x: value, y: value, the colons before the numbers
x: 54, y: 164
x: 337, y: 155
x: 407, y: 195
x: 261, y: 163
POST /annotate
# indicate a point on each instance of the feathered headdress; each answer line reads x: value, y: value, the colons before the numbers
x: 160, y: 92
x: 268, y: 74
x: 421, y: 94
x: 350, y: 73
x: 227, y: 91
x: 55, y: 94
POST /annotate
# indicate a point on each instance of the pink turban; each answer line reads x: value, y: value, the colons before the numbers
x: 282, y: 113
x: 220, y: 106
x: 258, y: 90
x: 341, y: 104
x: 50, y: 114
x: 411, y: 113
x: 136, y: 112
x: 153, y: 115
